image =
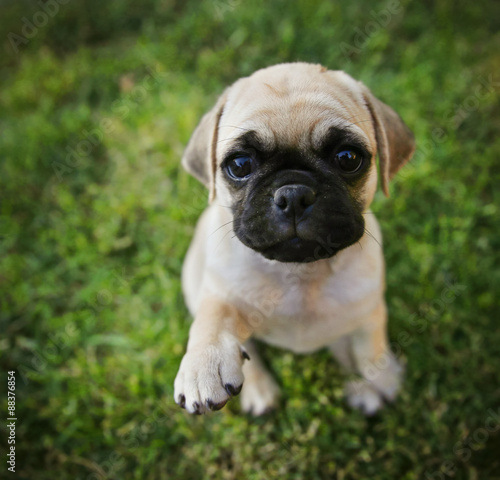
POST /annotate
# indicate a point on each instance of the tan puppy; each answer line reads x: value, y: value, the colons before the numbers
x: 287, y: 251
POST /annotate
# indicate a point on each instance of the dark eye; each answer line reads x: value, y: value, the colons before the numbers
x: 349, y: 161
x: 240, y: 167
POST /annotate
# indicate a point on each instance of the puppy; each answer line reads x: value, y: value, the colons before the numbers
x: 287, y: 251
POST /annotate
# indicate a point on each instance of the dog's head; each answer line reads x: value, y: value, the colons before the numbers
x: 291, y: 149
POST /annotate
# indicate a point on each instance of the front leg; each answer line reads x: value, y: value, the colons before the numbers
x: 210, y: 372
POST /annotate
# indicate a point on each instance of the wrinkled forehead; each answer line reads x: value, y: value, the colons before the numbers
x: 303, y: 114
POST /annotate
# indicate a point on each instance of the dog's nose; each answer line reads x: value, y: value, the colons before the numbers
x: 294, y: 199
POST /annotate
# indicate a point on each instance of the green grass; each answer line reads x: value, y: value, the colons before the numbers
x: 91, y: 310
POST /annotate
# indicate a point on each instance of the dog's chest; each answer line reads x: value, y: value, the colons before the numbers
x: 306, y: 312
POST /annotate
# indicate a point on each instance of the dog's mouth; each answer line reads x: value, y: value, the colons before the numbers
x: 301, y: 245
x: 297, y: 250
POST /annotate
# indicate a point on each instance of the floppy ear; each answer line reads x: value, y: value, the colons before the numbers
x: 199, y: 158
x: 395, y: 141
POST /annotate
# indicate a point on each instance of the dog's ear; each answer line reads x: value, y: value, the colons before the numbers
x: 199, y: 158
x: 395, y: 141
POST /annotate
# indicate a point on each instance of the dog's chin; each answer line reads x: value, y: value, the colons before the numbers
x: 296, y: 250
x: 293, y: 250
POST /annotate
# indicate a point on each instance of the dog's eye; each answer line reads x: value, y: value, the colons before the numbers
x: 240, y: 167
x: 349, y: 161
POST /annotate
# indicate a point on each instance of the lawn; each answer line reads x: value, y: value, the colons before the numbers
x: 96, y: 215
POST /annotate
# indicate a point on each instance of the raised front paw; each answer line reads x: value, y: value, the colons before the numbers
x: 209, y: 376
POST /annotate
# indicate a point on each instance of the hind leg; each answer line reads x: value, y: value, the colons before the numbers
x: 260, y: 392
x: 366, y: 352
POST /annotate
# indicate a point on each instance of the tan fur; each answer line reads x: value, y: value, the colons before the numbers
x: 235, y: 293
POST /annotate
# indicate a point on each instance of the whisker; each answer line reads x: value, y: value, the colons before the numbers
x: 370, y: 235
x: 217, y: 229
x: 223, y: 237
